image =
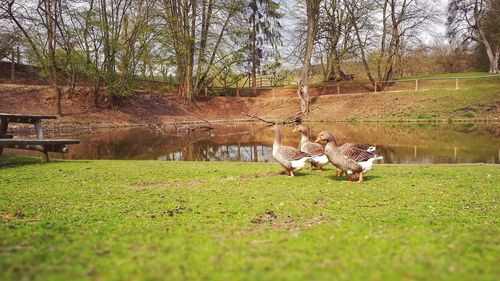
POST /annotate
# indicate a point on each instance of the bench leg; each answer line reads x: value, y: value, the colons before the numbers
x: 38, y: 129
x: 4, y: 124
x: 45, y: 156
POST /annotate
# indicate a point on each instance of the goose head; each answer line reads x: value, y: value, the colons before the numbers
x: 274, y: 128
x: 325, y: 137
x: 301, y: 129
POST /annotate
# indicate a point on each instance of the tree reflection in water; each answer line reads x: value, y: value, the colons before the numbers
x: 249, y: 142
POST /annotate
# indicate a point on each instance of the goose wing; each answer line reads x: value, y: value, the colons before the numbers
x: 354, y: 153
x: 314, y: 149
x: 362, y: 146
x: 366, y: 147
x: 290, y: 153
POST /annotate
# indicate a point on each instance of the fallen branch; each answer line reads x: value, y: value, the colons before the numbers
x: 291, y: 120
x: 193, y: 128
x: 259, y: 118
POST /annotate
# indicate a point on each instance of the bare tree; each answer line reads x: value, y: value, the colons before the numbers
x: 199, y: 33
x: 479, y: 21
x: 392, y: 23
x: 42, y: 15
x: 312, y: 7
x: 335, y: 37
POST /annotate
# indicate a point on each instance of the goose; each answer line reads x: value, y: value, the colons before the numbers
x: 354, y: 161
x: 316, y: 150
x: 350, y: 149
x: 288, y: 157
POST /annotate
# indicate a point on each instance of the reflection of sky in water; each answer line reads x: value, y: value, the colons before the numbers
x: 243, y: 153
x: 398, y: 143
x: 392, y: 155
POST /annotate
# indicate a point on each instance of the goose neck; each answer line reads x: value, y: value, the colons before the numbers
x: 304, y: 138
x: 277, y: 138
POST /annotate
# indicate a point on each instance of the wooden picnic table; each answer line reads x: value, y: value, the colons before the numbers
x: 40, y: 143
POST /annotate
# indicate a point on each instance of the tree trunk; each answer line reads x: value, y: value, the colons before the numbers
x: 52, y: 55
x: 95, y: 95
x: 12, y: 66
x: 253, y: 20
x: 493, y: 57
x: 312, y: 20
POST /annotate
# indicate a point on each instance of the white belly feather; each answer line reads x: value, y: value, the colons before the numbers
x: 320, y: 160
x: 367, y: 165
x: 299, y: 164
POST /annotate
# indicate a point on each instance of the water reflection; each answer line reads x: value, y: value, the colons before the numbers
x: 227, y: 152
x: 398, y: 143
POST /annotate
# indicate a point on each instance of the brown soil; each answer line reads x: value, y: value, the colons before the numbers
x: 278, y: 104
x: 143, y: 107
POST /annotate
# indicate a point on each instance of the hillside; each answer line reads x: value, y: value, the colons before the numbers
x: 473, y: 101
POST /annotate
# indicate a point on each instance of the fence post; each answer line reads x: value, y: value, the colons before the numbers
x: 376, y: 86
x: 416, y: 84
x: 206, y: 91
x: 12, y: 66
x: 338, y: 89
x: 456, y: 84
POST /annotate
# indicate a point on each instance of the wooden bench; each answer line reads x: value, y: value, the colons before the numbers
x: 39, y: 144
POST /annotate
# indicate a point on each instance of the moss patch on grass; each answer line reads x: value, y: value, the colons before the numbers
x: 132, y: 220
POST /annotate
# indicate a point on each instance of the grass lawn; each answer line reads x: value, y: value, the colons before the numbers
x: 450, y: 75
x: 131, y: 220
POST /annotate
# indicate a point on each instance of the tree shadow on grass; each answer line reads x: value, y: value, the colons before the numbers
x: 7, y: 161
x: 11, y: 161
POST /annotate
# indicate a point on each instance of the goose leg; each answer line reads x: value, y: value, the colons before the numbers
x: 291, y: 173
x: 337, y: 173
x: 360, y: 177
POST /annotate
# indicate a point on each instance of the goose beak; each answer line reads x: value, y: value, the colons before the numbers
x: 294, y: 130
x: 317, y: 140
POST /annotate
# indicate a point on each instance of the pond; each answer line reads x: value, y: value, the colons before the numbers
x: 399, y: 143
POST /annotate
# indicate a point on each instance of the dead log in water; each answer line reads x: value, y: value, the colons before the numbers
x: 292, y: 120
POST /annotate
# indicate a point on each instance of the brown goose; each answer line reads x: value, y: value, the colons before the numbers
x: 354, y: 161
x: 350, y: 150
x: 316, y: 150
x: 288, y: 157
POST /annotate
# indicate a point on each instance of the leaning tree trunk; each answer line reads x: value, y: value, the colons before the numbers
x: 51, y: 40
x: 494, y: 61
x: 493, y: 55
x: 302, y: 92
x: 304, y: 76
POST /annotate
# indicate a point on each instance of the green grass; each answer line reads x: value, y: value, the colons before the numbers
x: 473, y: 95
x: 131, y: 220
x: 448, y: 75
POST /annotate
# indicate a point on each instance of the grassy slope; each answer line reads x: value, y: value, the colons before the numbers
x: 127, y: 220
x: 449, y: 75
x: 475, y: 100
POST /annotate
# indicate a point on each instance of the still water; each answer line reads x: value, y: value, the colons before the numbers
x: 251, y: 142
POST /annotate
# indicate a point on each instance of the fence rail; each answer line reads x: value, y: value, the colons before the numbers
x: 352, y: 87
x: 417, y: 80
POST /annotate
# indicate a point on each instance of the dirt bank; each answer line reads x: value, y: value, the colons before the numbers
x: 478, y: 102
